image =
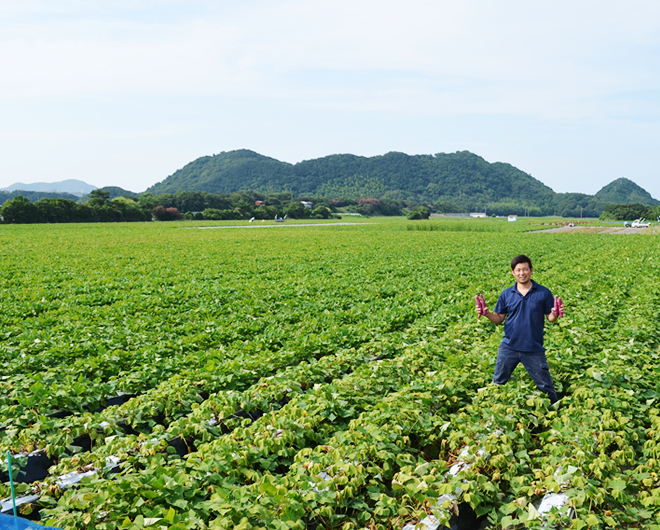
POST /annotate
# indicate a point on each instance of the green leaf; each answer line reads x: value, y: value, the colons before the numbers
x: 508, y: 521
x: 592, y: 520
x: 619, y: 485
x: 169, y: 517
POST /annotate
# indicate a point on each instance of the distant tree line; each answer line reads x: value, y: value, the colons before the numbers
x: 629, y: 212
x: 98, y: 206
x: 98, y: 209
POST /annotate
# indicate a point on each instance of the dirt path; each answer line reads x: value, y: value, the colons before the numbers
x: 595, y: 230
x: 281, y: 225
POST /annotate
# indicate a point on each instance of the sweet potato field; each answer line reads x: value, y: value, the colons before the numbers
x: 161, y: 376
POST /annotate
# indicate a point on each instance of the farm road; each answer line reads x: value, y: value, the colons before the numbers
x: 594, y: 230
x: 278, y: 225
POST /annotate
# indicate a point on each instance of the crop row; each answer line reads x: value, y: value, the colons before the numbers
x: 220, y: 413
x: 227, y: 368
x: 269, y: 444
x: 86, y: 381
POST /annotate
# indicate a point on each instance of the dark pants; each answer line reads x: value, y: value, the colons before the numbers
x: 535, y: 363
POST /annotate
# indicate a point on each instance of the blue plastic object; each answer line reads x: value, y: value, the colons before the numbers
x: 7, y: 522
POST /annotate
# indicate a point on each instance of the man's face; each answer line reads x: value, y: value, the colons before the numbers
x: 522, y: 272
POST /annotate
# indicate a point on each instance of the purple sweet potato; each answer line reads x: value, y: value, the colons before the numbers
x: 481, y: 304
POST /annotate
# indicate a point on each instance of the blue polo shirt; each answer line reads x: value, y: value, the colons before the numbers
x: 525, y: 317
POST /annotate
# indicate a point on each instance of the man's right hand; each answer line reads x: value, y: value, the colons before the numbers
x: 495, y: 318
x: 482, y: 312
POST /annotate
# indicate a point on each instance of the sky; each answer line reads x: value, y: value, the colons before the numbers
x: 124, y: 93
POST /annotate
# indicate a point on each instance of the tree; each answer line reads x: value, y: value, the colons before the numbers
x: 214, y: 214
x: 98, y: 198
x: 391, y: 207
x: 448, y: 207
x: 375, y: 202
x: 20, y: 210
x: 654, y: 212
x: 107, y: 213
x: 57, y: 210
x: 129, y: 209
x: 418, y: 212
x: 160, y: 213
x: 321, y: 212
x: 626, y: 212
x: 265, y: 212
x: 148, y: 201
x: 296, y: 210
x: 368, y: 206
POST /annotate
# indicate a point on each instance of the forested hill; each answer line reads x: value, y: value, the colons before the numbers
x: 455, y: 177
x: 625, y: 191
x: 458, y: 181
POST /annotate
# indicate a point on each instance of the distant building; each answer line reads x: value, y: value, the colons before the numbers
x: 259, y: 203
x: 307, y: 204
x: 513, y: 218
x: 478, y: 214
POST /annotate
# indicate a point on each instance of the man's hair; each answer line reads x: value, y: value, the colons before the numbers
x: 521, y: 259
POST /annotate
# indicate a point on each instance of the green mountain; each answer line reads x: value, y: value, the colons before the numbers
x: 229, y: 172
x: 453, y: 181
x: 622, y: 191
x: 457, y: 176
x: 34, y: 196
x: 70, y: 186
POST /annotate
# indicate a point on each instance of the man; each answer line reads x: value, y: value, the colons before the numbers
x: 524, y: 306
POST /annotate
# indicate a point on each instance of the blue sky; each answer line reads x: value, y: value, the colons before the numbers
x: 125, y: 93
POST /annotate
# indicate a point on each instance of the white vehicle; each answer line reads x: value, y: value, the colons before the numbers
x: 639, y: 223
